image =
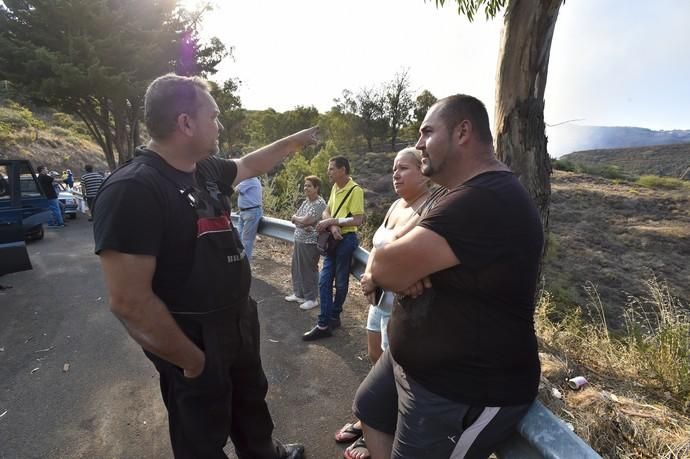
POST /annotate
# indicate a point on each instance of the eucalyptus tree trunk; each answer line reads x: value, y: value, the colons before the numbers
x: 521, y: 76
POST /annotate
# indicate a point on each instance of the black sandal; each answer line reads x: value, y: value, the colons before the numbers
x: 360, y: 443
x: 351, y: 433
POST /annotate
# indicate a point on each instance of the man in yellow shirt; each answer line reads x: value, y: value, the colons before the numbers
x: 345, y: 212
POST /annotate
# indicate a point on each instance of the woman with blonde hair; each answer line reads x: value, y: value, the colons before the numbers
x: 413, y: 189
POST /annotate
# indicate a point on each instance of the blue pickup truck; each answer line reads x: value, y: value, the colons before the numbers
x: 23, y: 211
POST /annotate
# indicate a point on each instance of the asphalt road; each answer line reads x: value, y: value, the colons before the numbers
x: 74, y: 385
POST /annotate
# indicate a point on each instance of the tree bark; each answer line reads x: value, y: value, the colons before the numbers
x: 96, y: 117
x: 521, y: 76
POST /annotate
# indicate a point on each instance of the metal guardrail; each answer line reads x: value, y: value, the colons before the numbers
x: 540, y: 434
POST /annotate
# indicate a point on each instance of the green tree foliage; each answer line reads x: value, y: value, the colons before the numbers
x: 290, y: 179
x: 398, y: 104
x: 231, y: 116
x: 319, y: 166
x: 195, y: 58
x: 369, y: 106
x: 94, y: 58
x: 266, y: 126
x: 284, y: 191
x: 521, y: 78
x: 469, y: 8
x: 341, y: 129
x: 422, y: 104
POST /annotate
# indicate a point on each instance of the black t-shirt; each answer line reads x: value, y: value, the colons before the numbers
x: 470, y: 338
x: 46, y: 182
x: 138, y: 211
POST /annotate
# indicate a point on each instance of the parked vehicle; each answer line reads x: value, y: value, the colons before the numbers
x: 68, y: 203
x: 23, y: 211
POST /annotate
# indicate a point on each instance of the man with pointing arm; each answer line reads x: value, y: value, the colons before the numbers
x: 179, y: 278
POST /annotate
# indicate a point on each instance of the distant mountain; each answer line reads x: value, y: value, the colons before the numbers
x: 568, y: 138
x: 663, y: 160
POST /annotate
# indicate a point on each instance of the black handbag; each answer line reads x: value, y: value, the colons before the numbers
x: 325, y: 241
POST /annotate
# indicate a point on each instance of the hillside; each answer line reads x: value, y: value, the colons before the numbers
x: 663, y: 160
x: 567, y: 138
x: 47, y: 137
x: 616, y: 236
x: 616, y: 250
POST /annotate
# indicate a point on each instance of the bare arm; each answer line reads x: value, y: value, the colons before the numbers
x: 406, y: 261
x: 366, y: 281
x: 305, y: 220
x: 262, y: 160
x: 143, y: 314
x: 328, y: 222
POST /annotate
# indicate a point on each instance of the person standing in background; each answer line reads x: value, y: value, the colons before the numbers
x: 69, y: 178
x: 46, y: 182
x: 90, y: 184
x: 343, y: 215
x: 305, y: 254
x: 250, y: 202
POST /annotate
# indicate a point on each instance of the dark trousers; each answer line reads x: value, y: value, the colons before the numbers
x: 228, y: 398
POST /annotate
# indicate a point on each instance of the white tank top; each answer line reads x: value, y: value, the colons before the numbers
x: 383, y: 236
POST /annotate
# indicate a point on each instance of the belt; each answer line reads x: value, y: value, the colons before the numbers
x: 249, y: 208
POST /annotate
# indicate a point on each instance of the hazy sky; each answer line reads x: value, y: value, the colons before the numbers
x: 615, y: 63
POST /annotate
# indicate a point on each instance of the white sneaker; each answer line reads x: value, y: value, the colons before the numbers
x: 307, y: 305
x: 294, y: 298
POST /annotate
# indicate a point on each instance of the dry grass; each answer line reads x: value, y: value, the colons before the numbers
x: 636, y: 405
x: 615, y: 235
x: 654, y: 181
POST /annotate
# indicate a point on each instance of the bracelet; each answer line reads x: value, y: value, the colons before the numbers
x: 344, y: 221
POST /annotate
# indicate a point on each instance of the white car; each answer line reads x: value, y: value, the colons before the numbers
x: 68, y: 202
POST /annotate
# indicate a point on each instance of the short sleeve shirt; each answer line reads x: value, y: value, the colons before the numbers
x: 140, y: 212
x: 470, y: 338
x: 249, y: 193
x: 313, y: 209
x: 353, y: 206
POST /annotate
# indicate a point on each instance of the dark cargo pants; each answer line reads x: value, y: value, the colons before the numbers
x: 227, y: 398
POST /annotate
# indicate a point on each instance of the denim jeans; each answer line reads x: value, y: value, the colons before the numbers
x: 54, y: 205
x: 336, y: 268
x: 249, y: 224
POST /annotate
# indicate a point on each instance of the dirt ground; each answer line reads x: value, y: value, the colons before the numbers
x: 73, y: 384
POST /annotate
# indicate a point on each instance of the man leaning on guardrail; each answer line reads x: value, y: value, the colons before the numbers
x: 462, y: 366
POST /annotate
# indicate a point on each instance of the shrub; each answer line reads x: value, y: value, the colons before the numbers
x: 319, y: 166
x: 279, y: 204
x: 69, y: 124
x: 18, y: 117
x: 292, y: 175
x: 564, y: 165
x: 653, y: 350
x: 654, y: 181
x: 607, y: 171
